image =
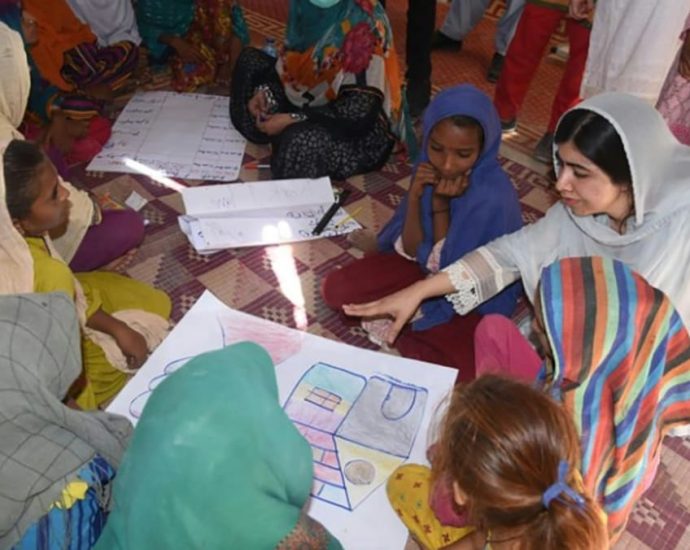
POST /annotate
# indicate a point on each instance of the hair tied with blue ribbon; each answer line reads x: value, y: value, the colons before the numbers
x: 561, y: 487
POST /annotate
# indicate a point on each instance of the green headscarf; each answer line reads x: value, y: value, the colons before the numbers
x: 158, y: 17
x: 214, y: 461
x: 307, y: 22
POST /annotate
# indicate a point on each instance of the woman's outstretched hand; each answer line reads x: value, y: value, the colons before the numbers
x: 400, y: 306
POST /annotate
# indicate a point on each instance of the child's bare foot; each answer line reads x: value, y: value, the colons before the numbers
x: 364, y: 239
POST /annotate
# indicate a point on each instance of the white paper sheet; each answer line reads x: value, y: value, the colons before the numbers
x: 180, y: 135
x: 256, y: 196
x: 135, y: 201
x: 260, y: 213
x: 210, y: 234
x: 371, y: 524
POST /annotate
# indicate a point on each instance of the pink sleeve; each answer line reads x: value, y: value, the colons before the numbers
x: 442, y: 502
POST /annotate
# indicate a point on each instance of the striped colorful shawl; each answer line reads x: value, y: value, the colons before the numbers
x: 621, y: 365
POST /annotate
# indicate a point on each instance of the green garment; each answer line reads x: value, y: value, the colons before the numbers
x: 308, y: 23
x: 158, y: 17
x: 214, y: 462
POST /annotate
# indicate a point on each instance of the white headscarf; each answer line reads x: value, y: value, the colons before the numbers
x: 656, y: 243
x: 16, y: 265
x: 111, y: 21
x: 14, y: 84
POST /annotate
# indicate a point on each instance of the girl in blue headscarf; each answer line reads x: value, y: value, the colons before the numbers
x: 459, y: 199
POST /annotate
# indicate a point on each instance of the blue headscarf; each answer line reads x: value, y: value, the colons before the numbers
x: 488, y: 209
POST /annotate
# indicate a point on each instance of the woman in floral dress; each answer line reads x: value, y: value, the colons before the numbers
x: 197, y: 37
x: 332, y: 103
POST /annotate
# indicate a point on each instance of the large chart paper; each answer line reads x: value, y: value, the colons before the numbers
x: 186, y: 136
x: 259, y: 213
x: 364, y: 413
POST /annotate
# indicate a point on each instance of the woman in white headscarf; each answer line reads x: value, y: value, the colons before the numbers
x: 91, y: 238
x: 624, y: 183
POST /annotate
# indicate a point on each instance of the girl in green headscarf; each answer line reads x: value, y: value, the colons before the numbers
x: 215, y: 463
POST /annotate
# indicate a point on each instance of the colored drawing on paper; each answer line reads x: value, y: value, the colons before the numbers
x: 280, y: 342
x: 136, y: 407
x: 359, y: 429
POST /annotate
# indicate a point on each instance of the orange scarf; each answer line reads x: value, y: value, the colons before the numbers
x: 59, y: 31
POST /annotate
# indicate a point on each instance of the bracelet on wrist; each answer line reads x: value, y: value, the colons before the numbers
x: 271, y: 102
x: 298, y: 117
x: 440, y: 211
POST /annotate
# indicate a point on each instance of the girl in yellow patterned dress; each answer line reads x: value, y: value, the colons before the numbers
x: 122, y: 319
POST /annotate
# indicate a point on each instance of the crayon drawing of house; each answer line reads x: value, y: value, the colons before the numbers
x: 359, y: 429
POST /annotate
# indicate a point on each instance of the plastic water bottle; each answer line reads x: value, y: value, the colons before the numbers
x: 270, y: 47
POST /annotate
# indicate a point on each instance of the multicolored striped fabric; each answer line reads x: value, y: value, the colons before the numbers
x: 75, y: 521
x: 78, y: 106
x: 88, y: 64
x: 621, y: 365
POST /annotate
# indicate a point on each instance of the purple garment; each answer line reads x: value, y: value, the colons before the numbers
x: 118, y: 232
x: 58, y: 159
x: 488, y: 209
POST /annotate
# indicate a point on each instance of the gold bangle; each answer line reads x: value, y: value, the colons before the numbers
x: 440, y: 211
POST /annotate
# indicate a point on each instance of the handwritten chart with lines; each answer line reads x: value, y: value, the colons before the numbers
x: 363, y: 413
x: 186, y: 136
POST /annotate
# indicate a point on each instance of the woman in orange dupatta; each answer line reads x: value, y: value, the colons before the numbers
x: 67, y: 53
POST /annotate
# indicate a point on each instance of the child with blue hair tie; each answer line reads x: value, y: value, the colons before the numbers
x: 505, y: 476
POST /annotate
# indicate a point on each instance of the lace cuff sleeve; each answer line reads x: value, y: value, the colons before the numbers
x: 477, y: 277
x: 400, y: 249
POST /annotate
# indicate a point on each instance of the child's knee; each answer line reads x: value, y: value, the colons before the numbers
x: 332, y: 288
x: 489, y: 327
